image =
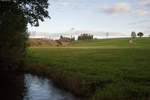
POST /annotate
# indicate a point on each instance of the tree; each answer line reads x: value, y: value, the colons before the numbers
x: 133, y: 35
x: 14, y: 17
x: 32, y: 10
x: 140, y: 34
x: 85, y: 37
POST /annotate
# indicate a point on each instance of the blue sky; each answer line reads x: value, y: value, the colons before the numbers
x: 120, y: 16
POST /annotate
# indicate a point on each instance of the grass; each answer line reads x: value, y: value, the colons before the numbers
x: 106, y: 69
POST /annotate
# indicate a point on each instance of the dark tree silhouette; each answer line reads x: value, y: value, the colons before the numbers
x: 14, y: 17
x: 140, y: 34
x: 85, y: 37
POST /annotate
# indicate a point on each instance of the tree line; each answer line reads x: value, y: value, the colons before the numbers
x: 85, y: 37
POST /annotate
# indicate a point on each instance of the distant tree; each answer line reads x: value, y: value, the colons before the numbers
x: 66, y: 39
x: 14, y: 17
x: 140, y: 34
x: 133, y: 35
x: 85, y: 37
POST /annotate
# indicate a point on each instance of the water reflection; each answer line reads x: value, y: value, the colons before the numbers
x: 43, y: 89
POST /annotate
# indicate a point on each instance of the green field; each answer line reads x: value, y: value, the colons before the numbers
x: 105, y: 69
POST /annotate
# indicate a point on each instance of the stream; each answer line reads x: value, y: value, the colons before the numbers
x: 43, y: 89
x: 32, y: 87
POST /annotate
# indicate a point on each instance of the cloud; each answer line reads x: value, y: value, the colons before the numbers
x: 146, y: 27
x: 118, y: 8
x: 62, y: 2
x: 143, y: 12
x: 65, y: 3
x: 144, y: 3
x: 140, y: 22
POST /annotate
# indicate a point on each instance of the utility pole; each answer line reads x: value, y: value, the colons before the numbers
x: 107, y: 34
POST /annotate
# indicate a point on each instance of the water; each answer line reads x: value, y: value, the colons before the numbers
x: 43, y: 89
x: 30, y: 87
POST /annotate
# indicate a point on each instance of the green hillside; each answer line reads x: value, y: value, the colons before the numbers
x: 105, y: 69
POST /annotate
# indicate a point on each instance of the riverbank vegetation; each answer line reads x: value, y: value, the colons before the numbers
x: 105, y: 69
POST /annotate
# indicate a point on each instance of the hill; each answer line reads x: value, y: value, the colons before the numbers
x: 46, y: 43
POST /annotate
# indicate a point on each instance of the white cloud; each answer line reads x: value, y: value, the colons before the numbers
x: 144, y: 3
x: 140, y: 22
x: 121, y: 7
x: 143, y: 12
x: 65, y: 3
x: 62, y: 2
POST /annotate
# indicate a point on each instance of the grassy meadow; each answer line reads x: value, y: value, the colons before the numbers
x: 104, y: 69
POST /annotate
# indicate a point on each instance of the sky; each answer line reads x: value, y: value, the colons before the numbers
x: 114, y: 16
